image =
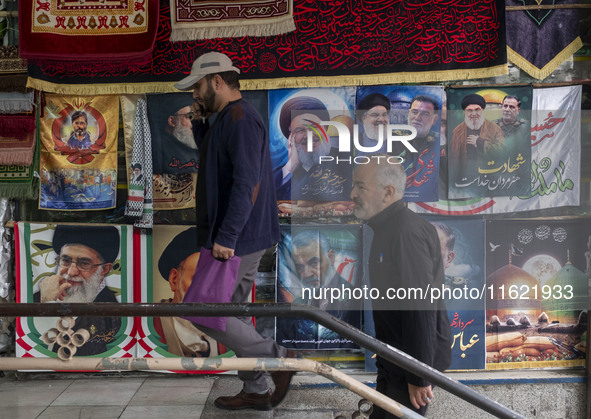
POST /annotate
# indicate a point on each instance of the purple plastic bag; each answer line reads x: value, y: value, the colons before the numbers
x: 213, y: 282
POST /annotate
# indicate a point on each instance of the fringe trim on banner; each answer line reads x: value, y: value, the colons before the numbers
x: 542, y: 73
x: 535, y: 364
x: 14, y: 102
x: 17, y: 126
x: 17, y: 158
x: 19, y: 190
x: 278, y: 83
x: 234, y: 30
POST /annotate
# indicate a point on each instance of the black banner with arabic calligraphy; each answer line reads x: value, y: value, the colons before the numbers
x: 489, y: 150
x: 343, y: 38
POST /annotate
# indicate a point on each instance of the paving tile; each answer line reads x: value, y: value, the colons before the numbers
x: 99, y: 392
x: 82, y: 412
x: 21, y: 412
x: 162, y: 412
x: 172, y: 392
x: 31, y: 393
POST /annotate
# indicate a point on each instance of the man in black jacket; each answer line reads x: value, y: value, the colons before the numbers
x: 405, y: 256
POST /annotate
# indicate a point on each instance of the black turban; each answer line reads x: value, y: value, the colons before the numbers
x: 473, y: 99
x: 298, y: 104
x: 103, y: 239
x: 180, y: 248
x: 373, y: 100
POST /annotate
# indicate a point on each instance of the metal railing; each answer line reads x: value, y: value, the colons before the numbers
x: 381, y: 349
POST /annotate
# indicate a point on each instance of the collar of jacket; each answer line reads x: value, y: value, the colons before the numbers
x: 387, y: 213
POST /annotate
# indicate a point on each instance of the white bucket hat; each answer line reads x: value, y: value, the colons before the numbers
x: 209, y: 63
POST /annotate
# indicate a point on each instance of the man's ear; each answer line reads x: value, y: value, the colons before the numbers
x: 330, y: 255
x: 171, y: 121
x: 389, y: 193
x: 173, y: 279
x: 106, y: 268
x: 435, y: 119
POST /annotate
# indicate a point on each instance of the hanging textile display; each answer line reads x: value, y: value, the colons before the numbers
x: 206, y: 19
x: 381, y: 43
x: 17, y: 139
x: 79, y: 152
x: 73, y: 35
x: 538, y: 41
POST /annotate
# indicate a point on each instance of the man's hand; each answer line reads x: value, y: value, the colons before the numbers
x: 53, y: 288
x: 420, y: 396
x: 221, y: 252
x: 471, y: 140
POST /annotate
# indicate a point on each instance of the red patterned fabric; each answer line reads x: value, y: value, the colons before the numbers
x: 93, y: 33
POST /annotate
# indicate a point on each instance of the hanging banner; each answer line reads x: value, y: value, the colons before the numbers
x: 537, y: 292
x: 79, y: 153
x: 481, y: 161
x: 463, y: 262
x: 419, y: 106
x: 315, y: 262
x: 95, y: 264
x: 312, y: 177
x: 334, y: 44
x: 555, y: 166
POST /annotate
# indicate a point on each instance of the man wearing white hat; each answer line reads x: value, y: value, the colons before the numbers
x: 236, y: 211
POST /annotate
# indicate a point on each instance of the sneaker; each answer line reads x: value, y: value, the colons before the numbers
x: 245, y: 401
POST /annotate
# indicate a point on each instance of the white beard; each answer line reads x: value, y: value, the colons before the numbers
x: 373, y: 131
x: 86, y: 292
x: 309, y: 159
x: 184, y: 135
x: 474, y: 125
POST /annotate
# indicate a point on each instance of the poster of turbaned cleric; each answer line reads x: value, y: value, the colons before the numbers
x: 168, y: 275
x: 319, y: 266
x: 312, y: 175
x: 78, y: 168
x: 74, y: 264
x: 537, y: 292
x: 489, y: 149
x: 463, y: 253
x: 418, y: 106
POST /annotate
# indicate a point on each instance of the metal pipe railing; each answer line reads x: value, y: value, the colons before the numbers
x: 263, y: 310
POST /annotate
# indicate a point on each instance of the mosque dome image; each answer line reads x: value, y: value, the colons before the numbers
x: 511, y: 277
x: 561, y: 308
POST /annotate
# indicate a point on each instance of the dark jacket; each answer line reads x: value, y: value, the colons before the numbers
x: 405, y: 253
x: 237, y: 182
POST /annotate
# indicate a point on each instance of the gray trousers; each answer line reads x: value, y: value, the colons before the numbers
x: 240, y: 335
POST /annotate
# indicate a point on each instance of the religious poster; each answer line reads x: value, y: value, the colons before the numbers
x: 319, y: 266
x: 555, y: 168
x: 489, y: 151
x: 166, y: 277
x: 462, y: 250
x: 419, y: 106
x: 313, y: 177
x: 76, y: 264
x: 79, y: 152
x: 537, y: 292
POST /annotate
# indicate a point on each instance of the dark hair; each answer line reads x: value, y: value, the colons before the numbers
x: 78, y: 114
x: 450, y: 237
x: 426, y: 99
x: 231, y: 78
x: 512, y: 97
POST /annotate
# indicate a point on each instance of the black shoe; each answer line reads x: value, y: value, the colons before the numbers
x: 282, y: 379
x: 245, y: 401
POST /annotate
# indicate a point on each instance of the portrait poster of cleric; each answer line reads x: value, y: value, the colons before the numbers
x: 419, y: 106
x: 78, y: 168
x: 461, y: 241
x: 537, y: 292
x: 170, y: 273
x: 489, y: 134
x: 312, y: 175
x: 319, y: 266
x: 74, y: 264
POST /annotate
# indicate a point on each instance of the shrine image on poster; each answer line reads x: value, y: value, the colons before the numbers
x: 311, y: 260
x: 74, y: 264
x: 537, y: 292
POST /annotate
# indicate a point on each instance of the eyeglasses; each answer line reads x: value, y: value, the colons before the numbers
x: 376, y: 115
x: 470, y: 111
x: 189, y: 115
x: 82, y: 265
